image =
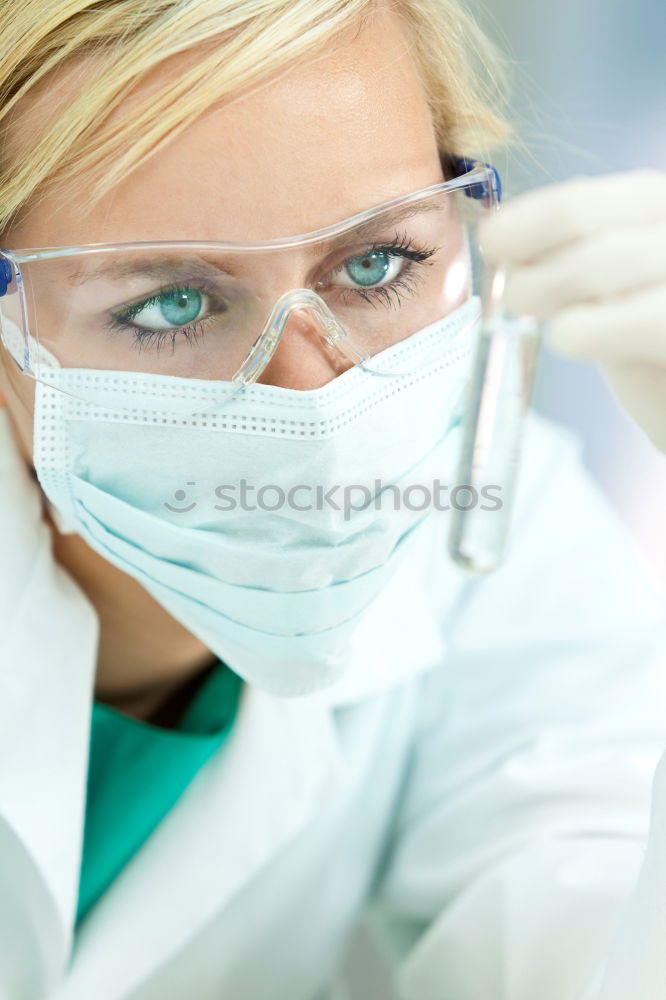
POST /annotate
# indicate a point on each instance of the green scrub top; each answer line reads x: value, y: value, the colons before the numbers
x: 137, y: 772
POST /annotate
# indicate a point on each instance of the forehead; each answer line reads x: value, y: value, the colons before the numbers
x: 344, y: 130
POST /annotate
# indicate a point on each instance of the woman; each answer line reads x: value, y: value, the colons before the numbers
x: 468, y: 762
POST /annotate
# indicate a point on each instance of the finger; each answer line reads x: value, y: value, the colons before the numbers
x: 603, y: 266
x: 631, y: 329
x: 550, y: 217
x: 641, y: 390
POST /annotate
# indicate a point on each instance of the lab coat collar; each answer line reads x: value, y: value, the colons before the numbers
x: 48, y: 642
x: 248, y: 802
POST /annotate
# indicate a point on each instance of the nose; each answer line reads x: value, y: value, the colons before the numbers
x: 303, y: 359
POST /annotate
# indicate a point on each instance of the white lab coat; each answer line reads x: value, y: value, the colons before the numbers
x: 478, y: 784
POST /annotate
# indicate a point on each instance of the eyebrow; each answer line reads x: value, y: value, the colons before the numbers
x: 167, y: 267
x: 172, y: 267
x: 390, y: 219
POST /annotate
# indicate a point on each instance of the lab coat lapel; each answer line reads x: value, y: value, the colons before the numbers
x: 246, y: 804
x: 48, y: 641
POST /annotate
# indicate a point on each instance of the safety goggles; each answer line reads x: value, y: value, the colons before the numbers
x: 218, y: 310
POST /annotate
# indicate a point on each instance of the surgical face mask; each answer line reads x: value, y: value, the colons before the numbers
x: 264, y: 519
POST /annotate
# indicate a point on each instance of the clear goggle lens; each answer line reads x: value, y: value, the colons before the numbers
x: 217, y: 311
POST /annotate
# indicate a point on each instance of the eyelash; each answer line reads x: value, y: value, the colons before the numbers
x: 144, y: 338
x: 391, y: 295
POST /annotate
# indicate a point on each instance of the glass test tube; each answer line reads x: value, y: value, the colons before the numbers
x: 499, y: 396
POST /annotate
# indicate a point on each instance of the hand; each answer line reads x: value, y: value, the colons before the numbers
x: 589, y: 257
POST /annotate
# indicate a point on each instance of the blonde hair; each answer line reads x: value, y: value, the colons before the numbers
x: 244, y: 41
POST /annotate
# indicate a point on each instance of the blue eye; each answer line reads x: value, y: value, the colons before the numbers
x: 373, y: 269
x: 176, y: 307
x: 369, y: 269
x: 181, y: 307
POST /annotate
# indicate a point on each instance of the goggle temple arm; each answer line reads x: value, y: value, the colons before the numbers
x: 5, y: 275
x: 463, y: 165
